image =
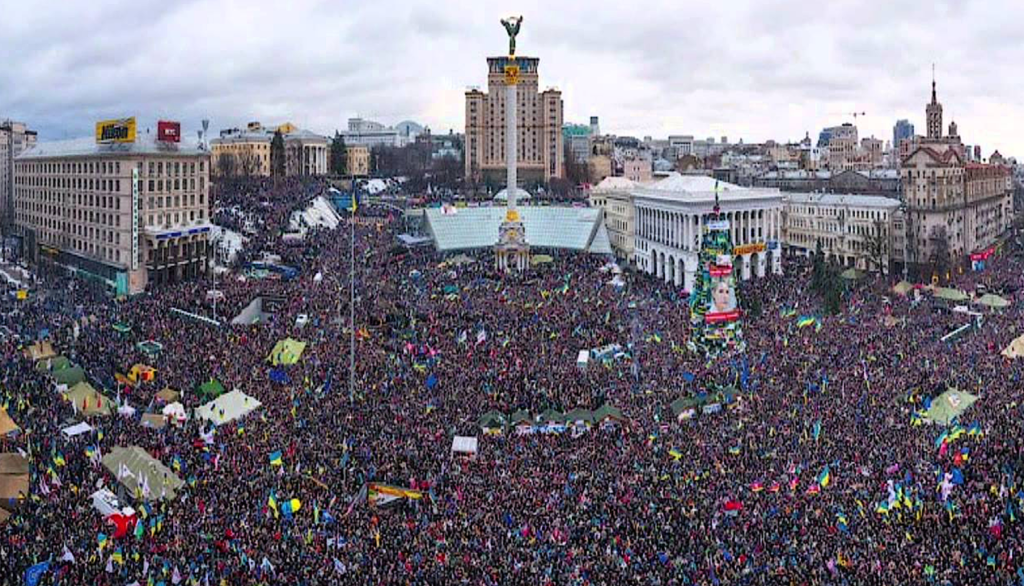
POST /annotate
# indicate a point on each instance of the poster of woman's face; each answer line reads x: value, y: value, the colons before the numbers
x: 723, y: 297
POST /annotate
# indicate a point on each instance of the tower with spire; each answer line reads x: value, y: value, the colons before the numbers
x: 933, y: 113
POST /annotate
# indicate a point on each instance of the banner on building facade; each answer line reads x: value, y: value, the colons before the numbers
x: 749, y: 248
x: 135, y: 218
x: 167, y: 131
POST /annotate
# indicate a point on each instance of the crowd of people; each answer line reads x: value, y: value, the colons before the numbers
x: 820, y: 470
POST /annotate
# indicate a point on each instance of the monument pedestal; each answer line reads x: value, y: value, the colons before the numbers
x: 512, y: 254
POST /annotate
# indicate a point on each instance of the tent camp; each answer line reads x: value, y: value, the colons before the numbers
x: 13, y: 480
x: 992, y: 301
x: 150, y: 347
x: 54, y: 363
x: 40, y: 351
x: 7, y: 425
x: 903, y: 287
x: 287, y: 351
x: 87, y: 400
x: 154, y: 420
x: 141, y: 473
x: 852, y: 274
x: 228, y: 407
x: 948, y: 406
x: 68, y: 376
x: 950, y: 294
x: 211, y: 389
x: 579, y: 418
x: 168, y: 395
x: 493, y: 423
x: 1015, y: 349
x: 464, y: 446
x: 76, y: 430
x: 607, y: 416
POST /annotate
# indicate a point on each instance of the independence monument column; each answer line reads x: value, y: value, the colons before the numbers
x: 512, y: 254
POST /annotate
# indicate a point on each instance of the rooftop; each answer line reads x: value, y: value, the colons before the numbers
x: 145, y: 144
x: 838, y: 199
x: 677, y: 187
x: 568, y: 228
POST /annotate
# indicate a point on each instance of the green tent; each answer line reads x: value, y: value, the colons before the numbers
x: 903, y: 287
x: 211, y: 389
x: 87, y: 400
x: 950, y: 294
x: 141, y: 474
x: 608, y: 413
x: 150, y: 347
x: 852, y: 274
x: 521, y: 416
x: 684, y: 403
x: 287, y: 351
x: 59, y: 363
x: 69, y: 376
x: 948, y: 406
x: 550, y: 416
x: 993, y: 301
x: 492, y: 420
x: 122, y: 328
x: 579, y: 414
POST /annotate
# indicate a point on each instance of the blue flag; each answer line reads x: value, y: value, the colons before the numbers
x: 33, y: 574
x: 431, y: 381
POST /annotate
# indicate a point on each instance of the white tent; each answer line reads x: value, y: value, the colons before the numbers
x: 464, y: 445
x: 228, y: 407
x: 76, y: 429
x: 175, y: 411
x: 105, y: 502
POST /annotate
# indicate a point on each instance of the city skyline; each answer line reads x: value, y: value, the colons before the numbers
x: 743, y: 70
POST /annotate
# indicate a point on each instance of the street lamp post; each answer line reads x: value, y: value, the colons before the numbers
x: 352, y: 296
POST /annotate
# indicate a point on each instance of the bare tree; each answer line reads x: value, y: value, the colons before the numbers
x: 878, y: 246
x: 227, y: 165
x: 939, y: 258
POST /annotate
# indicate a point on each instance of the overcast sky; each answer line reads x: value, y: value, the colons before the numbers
x: 755, y: 69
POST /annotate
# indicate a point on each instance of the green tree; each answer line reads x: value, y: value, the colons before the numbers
x: 277, y: 162
x: 818, y: 267
x: 338, y: 155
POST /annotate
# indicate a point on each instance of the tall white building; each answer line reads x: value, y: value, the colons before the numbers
x: 670, y: 216
x: 14, y: 138
x: 850, y: 227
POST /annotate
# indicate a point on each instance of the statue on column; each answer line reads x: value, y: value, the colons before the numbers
x: 512, y: 28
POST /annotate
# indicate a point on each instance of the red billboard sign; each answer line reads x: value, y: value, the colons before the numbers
x: 168, y: 131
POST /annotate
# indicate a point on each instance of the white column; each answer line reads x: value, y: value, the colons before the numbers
x: 511, y: 143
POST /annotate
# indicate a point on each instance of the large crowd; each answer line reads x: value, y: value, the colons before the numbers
x: 791, y: 483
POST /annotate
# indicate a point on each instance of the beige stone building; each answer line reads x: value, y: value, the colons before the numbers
x: 246, y: 153
x: 614, y: 196
x: 859, y: 229
x: 540, y: 157
x: 357, y: 160
x: 15, y: 137
x: 125, y: 215
x: 953, y: 208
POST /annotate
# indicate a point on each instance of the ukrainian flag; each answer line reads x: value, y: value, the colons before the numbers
x: 117, y: 556
x: 272, y: 504
x: 275, y: 459
x: 735, y: 450
x: 676, y: 454
x: 824, y: 477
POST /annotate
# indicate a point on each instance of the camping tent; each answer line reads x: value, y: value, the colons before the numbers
x: 150, y: 347
x: 211, y: 389
x: 493, y: 422
x: 7, y: 425
x: 464, y: 445
x: 1015, y: 349
x: 579, y: 417
x: 948, y: 406
x: 88, y: 400
x: 175, y: 411
x: 993, y: 301
x: 287, y: 351
x: 54, y: 363
x: 950, y: 294
x: 40, y: 351
x: 154, y: 420
x: 903, y: 287
x: 76, y: 429
x: 852, y: 274
x: 608, y: 415
x: 136, y: 469
x: 228, y: 407
x: 13, y: 479
x: 69, y: 376
x: 168, y: 395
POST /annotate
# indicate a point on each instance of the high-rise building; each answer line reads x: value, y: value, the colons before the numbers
x: 126, y: 214
x: 539, y: 113
x: 595, y: 127
x: 577, y: 139
x: 903, y: 129
x: 14, y: 138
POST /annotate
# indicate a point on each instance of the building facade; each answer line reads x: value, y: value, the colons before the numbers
x: 371, y: 134
x: 858, y: 229
x: 246, y: 153
x: 577, y: 141
x: 357, y: 160
x: 902, y: 130
x: 954, y: 208
x: 15, y: 138
x: 670, y: 216
x: 540, y: 154
x: 637, y: 169
x: 614, y: 195
x: 126, y: 215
